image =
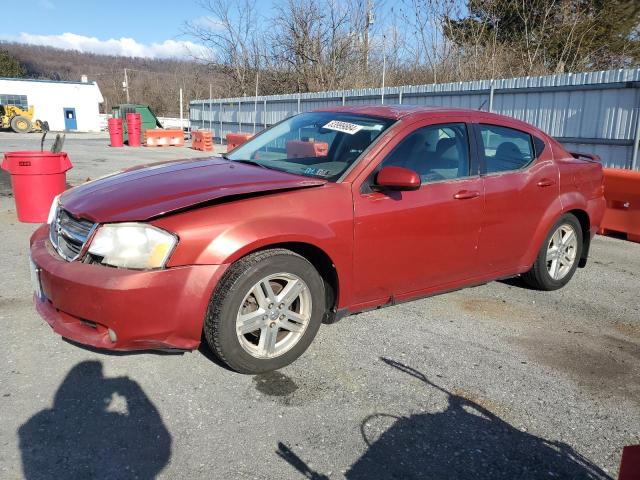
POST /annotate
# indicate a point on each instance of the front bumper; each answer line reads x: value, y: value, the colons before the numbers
x: 154, y: 309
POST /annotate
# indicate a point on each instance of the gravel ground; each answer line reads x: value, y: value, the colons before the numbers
x: 492, y: 382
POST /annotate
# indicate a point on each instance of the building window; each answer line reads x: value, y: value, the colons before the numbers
x: 17, y: 100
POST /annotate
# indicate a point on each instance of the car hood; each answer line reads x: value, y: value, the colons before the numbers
x: 146, y: 192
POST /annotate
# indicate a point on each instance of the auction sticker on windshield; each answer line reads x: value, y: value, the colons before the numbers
x: 344, y: 127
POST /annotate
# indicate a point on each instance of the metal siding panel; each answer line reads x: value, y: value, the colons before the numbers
x: 519, y: 106
x: 557, y: 116
x: 586, y: 111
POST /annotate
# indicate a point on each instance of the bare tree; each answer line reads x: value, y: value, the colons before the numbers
x: 232, y: 32
x: 313, y: 41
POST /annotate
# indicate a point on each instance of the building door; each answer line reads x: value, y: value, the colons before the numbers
x: 70, y: 122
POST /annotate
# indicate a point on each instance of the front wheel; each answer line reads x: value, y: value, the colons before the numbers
x: 559, y: 256
x: 20, y: 124
x: 265, y: 312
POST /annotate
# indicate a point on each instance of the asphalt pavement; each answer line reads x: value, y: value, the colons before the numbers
x: 493, y: 382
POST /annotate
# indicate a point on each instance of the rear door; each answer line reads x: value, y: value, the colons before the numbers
x: 520, y: 184
x: 412, y: 241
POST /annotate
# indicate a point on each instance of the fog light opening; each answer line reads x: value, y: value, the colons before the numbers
x: 112, y: 335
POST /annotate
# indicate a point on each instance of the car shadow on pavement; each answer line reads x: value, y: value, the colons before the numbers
x: 124, y: 353
x: 206, y: 352
x: 98, y: 428
x: 465, y: 441
x: 516, y: 282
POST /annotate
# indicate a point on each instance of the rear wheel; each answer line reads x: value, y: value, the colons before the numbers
x: 558, y: 258
x: 265, y: 312
x: 20, y: 124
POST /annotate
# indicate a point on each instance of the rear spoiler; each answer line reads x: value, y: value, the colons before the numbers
x: 586, y: 156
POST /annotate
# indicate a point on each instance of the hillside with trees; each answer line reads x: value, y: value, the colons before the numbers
x: 155, y: 82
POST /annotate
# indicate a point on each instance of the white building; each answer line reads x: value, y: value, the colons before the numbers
x: 70, y: 106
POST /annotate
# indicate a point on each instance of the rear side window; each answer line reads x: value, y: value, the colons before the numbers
x: 505, y: 149
x: 435, y: 152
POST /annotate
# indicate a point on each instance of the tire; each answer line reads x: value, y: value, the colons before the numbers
x: 545, y: 275
x: 21, y: 124
x: 238, y: 295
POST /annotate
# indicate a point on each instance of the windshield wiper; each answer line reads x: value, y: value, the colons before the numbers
x: 248, y: 162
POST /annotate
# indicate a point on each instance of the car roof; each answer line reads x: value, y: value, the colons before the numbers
x: 418, y: 112
x: 395, y: 112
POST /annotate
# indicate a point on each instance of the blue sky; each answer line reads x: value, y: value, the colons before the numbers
x: 120, y: 27
x: 93, y: 23
x: 102, y: 19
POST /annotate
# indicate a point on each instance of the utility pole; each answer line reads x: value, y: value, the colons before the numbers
x: 181, y: 122
x: 384, y: 64
x: 125, y: 85
x: 255, y: 105
x: 368, y: 21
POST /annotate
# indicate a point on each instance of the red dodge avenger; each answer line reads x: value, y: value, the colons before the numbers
x: 324, y: 214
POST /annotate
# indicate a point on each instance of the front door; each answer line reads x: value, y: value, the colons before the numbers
x: 407, y: 243
x: 70, y: 122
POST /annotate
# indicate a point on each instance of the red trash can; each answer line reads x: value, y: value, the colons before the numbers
x: 134, y: 124
x: 36, y: 178
x: 115, y: 132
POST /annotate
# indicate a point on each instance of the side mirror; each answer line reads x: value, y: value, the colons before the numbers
x: 397, y: 178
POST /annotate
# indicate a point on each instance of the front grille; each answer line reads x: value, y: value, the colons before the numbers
x: 69, y: 234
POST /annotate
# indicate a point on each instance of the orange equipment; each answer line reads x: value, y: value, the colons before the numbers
x: 160, y: 137
x: 234, y: 140
x: 622, y: 192
x: 300, y: 149
x: 202, y: 140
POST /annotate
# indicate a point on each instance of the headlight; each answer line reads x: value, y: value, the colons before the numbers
x: 132, y: 245
x: 52, y: 210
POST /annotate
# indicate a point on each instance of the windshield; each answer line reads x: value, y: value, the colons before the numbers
x: 316, y: 144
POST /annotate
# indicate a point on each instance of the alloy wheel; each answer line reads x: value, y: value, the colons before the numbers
x: 561, y: 251
x: 274, y: 315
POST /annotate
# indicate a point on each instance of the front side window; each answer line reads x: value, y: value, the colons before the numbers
x: 315, y: 144
x: 505, y: 149
x: 436, y: 152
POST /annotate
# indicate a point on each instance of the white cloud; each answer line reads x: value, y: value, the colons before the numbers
x: 207, y: 22
x: 46, y: 4
x: 125, y: 46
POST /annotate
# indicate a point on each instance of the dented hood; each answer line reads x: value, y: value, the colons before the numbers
x: 143, y: 193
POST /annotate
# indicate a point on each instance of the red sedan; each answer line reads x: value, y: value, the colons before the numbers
x: 324, y: 214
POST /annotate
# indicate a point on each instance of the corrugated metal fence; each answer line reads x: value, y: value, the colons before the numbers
x: 595, y: 112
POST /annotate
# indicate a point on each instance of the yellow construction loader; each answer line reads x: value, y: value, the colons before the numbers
x: 18, y: 119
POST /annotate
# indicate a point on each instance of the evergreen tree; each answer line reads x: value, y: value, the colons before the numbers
x: 559, y: 35
x: 10, y: 66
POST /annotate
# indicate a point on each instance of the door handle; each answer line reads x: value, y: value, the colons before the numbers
x: 546, y: 182
x: 466, y: 194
